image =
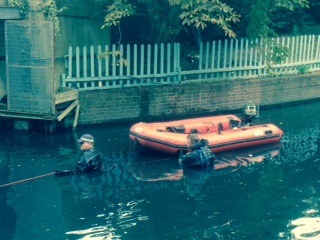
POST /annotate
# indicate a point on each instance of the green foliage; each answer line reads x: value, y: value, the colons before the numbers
x: 259, y: 20
x: 121, y: 61
x: 50, y: 8
x: 23, y: 5
x: 262, y: 13
x: 273, y: 54
x: 303, y: 69
x: 117, y: 11
x: 163, y: 15
x: 261, y: 26
x: 199, y: 14
x: 290, y: 4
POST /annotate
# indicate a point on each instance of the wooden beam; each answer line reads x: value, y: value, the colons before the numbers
x: 66, y: 96
x: 9, y: 13
x: 75, y: 122
x: 26, y: 115
x: 67, y: 110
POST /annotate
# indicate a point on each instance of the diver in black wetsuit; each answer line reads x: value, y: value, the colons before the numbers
x: 89, y: 161
x: 200, y: 155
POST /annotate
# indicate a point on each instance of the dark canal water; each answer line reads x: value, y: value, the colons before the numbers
x: 270, y: 192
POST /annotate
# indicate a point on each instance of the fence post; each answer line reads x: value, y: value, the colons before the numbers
x: 70, y: 63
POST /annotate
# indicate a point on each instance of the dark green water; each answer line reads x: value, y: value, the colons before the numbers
x: 147, y: 195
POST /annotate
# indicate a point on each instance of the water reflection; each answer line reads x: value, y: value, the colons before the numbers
x: 235, y: 163
x: 168, y: 169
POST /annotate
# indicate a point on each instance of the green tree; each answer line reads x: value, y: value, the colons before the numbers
x: 262, y: 13
x: 252, y: 18
x: 167, y: 18
x: 261, y: 25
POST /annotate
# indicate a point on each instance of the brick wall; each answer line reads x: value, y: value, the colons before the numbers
x: 193, y: 98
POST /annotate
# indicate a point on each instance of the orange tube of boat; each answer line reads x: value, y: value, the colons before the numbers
x: 216, y: 130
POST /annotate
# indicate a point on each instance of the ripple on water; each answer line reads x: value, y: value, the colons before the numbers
x: 307, y: 228
x: 117, y: 218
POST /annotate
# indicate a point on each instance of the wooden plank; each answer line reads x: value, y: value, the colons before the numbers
x: 135, y: 60
x: 99, y: 59
x: 25, y: 115
x: 207, y: 57
x: 225, y: 56
x: 308, y: 48
x: 114, y: 60
x: 76, y: 117
x: 66, y: 96
x: 10, y: 13
x: 200, y: 59
x: 246, y: 49
x: 85, y: 62
x: 317, y: 50
x: 78, y: 62
x: 251, y: 58
x: 67, y: 110
x: 120, y: 63
x: 121, y: 58
x: 70, y: 63
x: 256, y: 54
x: 236, y: 53
x: 213, y: 54
x: 297, y: 50
x: 230, y: 56
x: 292, y: 54
x: 107, y: 61
x: 219, y: 56
x: 155, y: 59
x: 177, y: 57
x: 241, y: 55
x: 261, y: 70
x: 176, y: 54
x: 128, y: 59
x: 92, y: 61
x: 301, y: 48
x: 142, y: 59
x: 169, y: 60
x: 161, y: 60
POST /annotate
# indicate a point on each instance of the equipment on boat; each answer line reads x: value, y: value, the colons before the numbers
x: 224, y: 133
x: 250, y: 111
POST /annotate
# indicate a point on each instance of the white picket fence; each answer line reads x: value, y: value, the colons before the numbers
x: 128, y: 66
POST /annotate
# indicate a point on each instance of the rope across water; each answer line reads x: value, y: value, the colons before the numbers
x: 41, y: 176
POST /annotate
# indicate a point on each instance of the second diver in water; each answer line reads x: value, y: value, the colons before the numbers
x: 200, y: 155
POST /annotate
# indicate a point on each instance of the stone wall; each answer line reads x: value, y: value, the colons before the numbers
x: 194, y: 98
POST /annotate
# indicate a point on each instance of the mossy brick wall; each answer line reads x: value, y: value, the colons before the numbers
x: 195, y: 98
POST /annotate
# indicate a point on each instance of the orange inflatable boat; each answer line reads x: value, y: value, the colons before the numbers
x: 223, y: 132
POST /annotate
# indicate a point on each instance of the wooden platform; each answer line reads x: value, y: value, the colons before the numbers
x: 67, y: 97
